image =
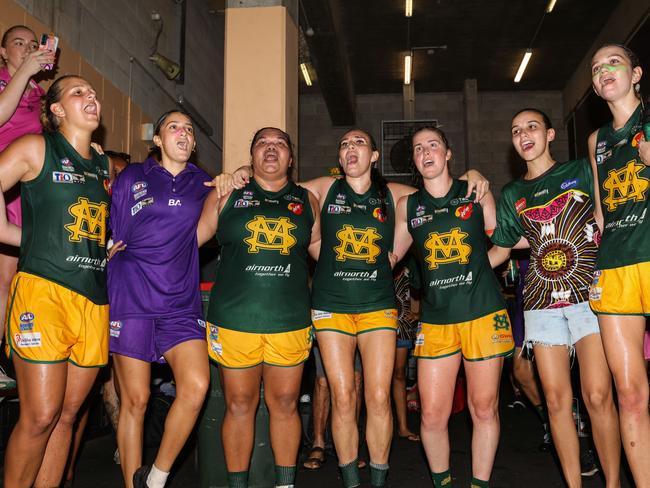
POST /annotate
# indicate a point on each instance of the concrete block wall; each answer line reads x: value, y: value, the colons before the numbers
x: 496, y: 158
x: 106, y: 34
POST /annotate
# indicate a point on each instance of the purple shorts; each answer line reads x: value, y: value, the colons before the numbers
x: 149, y: 339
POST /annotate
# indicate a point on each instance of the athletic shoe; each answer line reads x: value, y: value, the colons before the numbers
x: 6, y: 383
x: 140, y: 477
x: 588, y: 466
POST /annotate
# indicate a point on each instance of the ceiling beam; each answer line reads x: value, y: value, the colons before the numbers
x: 328, y: 57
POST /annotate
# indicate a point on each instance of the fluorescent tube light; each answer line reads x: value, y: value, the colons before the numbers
x: 550, y: 5
x: 407, y: 69
x: 408, y: 11
x: 305, y: 73
x: 522, y: 66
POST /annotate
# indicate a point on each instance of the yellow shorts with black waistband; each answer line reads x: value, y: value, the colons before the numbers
x: 621, y: 291
x: 483, y: 338
x: 354, y: 323
x: 49, y: 323
x: 235, y: 349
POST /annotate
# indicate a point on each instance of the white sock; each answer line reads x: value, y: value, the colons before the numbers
x: 283, y: 486
x: 156, y: 478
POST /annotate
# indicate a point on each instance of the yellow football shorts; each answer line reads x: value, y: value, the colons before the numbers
x: 354, y: 323
x: 235, y: 349
x: 486, y: 337
x: 48, y: 323
x: 621, y: 291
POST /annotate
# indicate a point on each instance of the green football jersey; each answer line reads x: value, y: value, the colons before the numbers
x: 353, y: 273
x: 624, y: 181
x: 261, y: 280
x: 449, y: 239
x: 555, y: 213
x: 65, y: 212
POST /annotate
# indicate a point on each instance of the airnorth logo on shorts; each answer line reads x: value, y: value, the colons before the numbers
x: 320, y: 315
x: 625, y: 184
x: 357, y: 244
x: 28, y: 339
x: 115, y: 328
x: 89, y: 221
x: 447, y: 247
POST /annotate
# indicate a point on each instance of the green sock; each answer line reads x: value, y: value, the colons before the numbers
x: 540, y: 410
x: 378, y: 474
x: 350, y: 474
x: 238, y: 479
x: 285, y: 475
x: 441, y: 479
x: 477, y: 483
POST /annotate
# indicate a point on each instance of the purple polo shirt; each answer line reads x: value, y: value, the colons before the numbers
x: 156, y: 215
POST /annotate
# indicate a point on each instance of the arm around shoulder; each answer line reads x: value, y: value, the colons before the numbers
x: 314, y: 245
x: 209, y: 220
x: 403, y: 239
x: 598, y: 211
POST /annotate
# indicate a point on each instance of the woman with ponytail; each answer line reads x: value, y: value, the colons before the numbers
x: 619, y: 291
x: 57, y: 319
x: 353, y: 298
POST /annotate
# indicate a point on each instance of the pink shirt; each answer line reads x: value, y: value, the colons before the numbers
x: 25, y: 120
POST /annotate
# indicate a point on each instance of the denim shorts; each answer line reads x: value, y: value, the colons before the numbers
x: 560, y: 326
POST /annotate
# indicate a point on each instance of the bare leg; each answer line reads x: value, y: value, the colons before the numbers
x: 596, y: 383
x: 41, y: 389
x: 553, y: 367
x: 78, y: 385
x: 436, y: 382
x: 134, y: 377
x: 337, y: 351
x: 281, y: 391
x: 320, y: 413
x: 524, y: 373
x: 242, y: 395
x: 483, y: 401
x: 622, y: 338
x: 377, y: 350
x: 111, y: 398
x: 190, y: 365
x: 77, y: 439
x: 399, y: 393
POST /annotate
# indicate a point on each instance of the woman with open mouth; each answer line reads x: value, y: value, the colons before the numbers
x: 57, y: 320
x: 153, y: 287
x: 463, y: 314
x: 551, y: 208
x: 619, y: 291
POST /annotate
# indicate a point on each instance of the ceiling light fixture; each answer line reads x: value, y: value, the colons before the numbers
x: 407, y: 68
x: 408, y: 11
x: 305, y: 73
x: 550, y: 5
x: 522, y: 66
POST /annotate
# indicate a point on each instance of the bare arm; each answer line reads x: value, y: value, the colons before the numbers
x: 476, y: 182
x: 9, y: 233
x: 314, y: 245
x: 209, y: 220
x: 403, y: 239
x: 498, y: 255
x: 13, y: 92
x: 399, y: 190
x: 319, y: 187
x: 598, y: 210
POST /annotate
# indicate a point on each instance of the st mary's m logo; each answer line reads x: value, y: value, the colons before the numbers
x: 625, y: 184
x: 270, y: 234
x: 89, y: 221
x: 447, y: 247
x: 357, y: 244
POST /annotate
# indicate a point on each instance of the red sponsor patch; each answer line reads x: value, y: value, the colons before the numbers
x: 108, y: 187
x: 464, y: 212
x: 636, y: 139
x: 379, y: 215
x: 520, y: 205
x: 296, y: 208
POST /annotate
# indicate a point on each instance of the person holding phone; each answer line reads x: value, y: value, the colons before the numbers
x: 20, y: 104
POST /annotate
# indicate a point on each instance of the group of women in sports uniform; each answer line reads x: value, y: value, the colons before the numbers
x: 586, y: 235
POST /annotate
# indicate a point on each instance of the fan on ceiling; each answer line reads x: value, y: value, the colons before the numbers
x: 396, y: 154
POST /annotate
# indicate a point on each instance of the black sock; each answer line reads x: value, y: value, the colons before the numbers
x: 441, y: 479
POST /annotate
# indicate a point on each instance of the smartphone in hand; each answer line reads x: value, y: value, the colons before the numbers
x: 49, y: 42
